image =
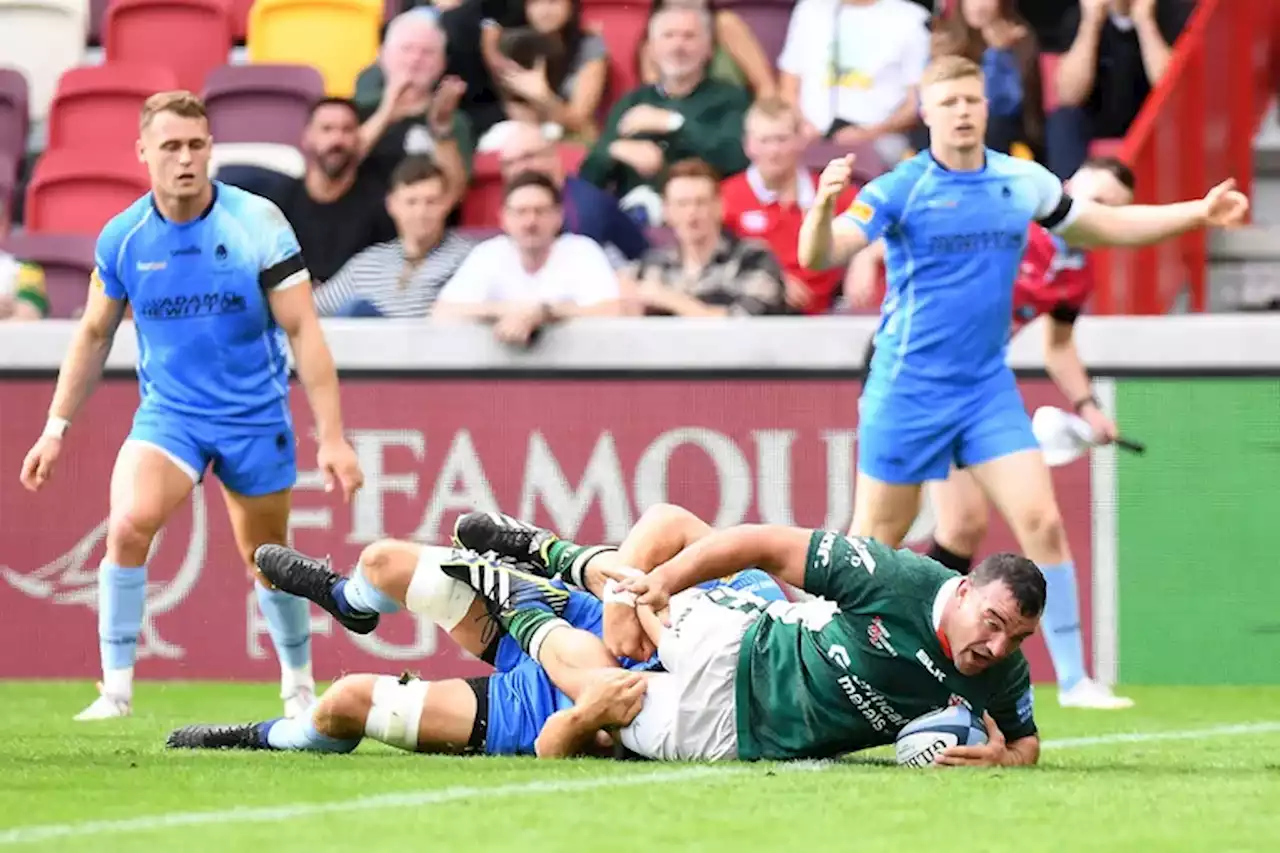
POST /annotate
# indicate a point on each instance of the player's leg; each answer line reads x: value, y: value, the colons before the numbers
x: 258, y: 520
x: 1000, y: 450
x: 961, y: 508
x: 409, y: 714
x: 154, y: 473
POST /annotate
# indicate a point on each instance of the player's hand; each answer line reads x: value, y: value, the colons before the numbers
x: 337, y: 462
x: 444, y: 102
x: 650, y: 590
x: 835, y: 179
x: 1225, y: 206
x: 624, y: 636
x: 40, y: 460
x: 614, y: 699
x: 1104, y: 429
x: 991, y: 754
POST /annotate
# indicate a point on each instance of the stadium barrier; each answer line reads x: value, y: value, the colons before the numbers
x: 1195, y: 130
x: 740, y: 421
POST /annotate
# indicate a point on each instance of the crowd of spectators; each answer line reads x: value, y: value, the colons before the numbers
x: 691, y: 188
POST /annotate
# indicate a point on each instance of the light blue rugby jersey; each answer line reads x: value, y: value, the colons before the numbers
x: 954, y: 242
x: 208, y: 346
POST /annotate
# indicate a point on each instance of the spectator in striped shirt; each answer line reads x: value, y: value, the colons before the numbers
x: 708, y: 272
x: 402, y: 277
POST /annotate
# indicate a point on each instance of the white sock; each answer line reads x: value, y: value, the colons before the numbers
x: 293, y: 678
x: 118, y: 683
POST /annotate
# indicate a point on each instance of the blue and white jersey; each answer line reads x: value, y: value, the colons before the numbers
x: 208, y: 346
x: 954, y: 242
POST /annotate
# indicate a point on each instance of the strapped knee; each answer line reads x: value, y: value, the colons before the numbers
x: 397, y: 712
x: 434, y: 594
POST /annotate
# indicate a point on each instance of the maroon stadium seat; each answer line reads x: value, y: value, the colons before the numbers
x: 67, y: 260
x: 14, y: 112
x: 622, y: 26
x: 98, y: 105
x: 8, y: 177
x: 261, y: 103
x: 77, y: 190
x: 97, y: 16
x: 191, y: 37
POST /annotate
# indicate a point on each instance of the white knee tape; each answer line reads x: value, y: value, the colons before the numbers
x: 396, y: 712
x: 434, y: 594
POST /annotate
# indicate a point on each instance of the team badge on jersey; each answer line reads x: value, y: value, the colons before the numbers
x: 95, y: 280
x: 879, y: 636
x: 862, y: 212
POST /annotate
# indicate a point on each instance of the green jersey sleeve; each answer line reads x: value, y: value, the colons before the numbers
x: 1011, y: 704
x: 843, y: 568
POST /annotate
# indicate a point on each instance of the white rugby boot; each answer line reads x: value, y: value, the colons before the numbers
x: 106, y: 707
x: 300, y: 701
x: 1093, y: 695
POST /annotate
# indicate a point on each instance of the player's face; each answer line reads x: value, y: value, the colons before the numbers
x: 692, y: 208
x: 418, y: 210
x: 531, y: 218
x: 988, y: 626
x: 1100, y: 187
x: 176, y: 152
x: 956, y: 112
x: 773, y: 146
x: 331, y: 139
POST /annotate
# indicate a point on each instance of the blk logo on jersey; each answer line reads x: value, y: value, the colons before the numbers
x: 192, y: 305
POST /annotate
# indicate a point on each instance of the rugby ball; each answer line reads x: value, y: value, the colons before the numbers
x: 924, y: 738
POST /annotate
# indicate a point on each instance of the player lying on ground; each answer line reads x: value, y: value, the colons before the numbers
x: 1054, y: 280
x: 218, y: 285
x: 939, y: 392
x: 500, y: 714
x: 896, y: 635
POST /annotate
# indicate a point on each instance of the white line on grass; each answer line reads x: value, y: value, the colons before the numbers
x: 293, y: 811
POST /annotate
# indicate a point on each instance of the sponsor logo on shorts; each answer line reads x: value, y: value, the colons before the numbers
x: 879, y: 636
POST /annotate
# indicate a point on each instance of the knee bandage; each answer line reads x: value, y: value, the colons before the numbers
x: 396, y: 712
x: 434, y: 594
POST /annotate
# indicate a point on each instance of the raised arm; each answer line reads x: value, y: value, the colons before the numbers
x: 826, y: 241
x: 1143, y: 225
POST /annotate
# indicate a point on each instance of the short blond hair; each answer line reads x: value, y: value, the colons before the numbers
x: 179, y: 102
x: 774, y: 108
x: 946, y: 68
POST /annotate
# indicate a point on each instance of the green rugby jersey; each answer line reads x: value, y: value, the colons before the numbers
x: 821, y: 678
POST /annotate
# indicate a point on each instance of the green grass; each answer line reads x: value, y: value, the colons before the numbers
x: 1208, y: 793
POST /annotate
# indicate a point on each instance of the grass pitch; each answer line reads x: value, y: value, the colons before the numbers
x: 1187, y: 770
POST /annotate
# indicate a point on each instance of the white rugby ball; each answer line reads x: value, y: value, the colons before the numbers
x: 924, y: 738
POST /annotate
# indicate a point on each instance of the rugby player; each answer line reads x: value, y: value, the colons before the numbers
x: 895, y: 635
x: 939, y: 392
x: 217, y: 284
x: 1054, y: 280
x: 499, y: 714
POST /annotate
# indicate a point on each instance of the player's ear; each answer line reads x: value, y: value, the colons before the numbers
x: 141, y: 152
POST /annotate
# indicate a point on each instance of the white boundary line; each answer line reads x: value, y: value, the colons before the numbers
x: 293, y: 811
x: 1105, y: 494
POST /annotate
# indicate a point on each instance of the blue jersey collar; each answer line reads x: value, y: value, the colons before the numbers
x: 986, y: 161
x: 205, y: 215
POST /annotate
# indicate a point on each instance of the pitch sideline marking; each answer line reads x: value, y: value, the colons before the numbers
x: 293, y: 811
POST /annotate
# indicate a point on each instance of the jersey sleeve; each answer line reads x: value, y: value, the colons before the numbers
x: 877, y: 207
x: 1011, y: 704
x: 1055, y: 210
x: 282, y: 265
x: 843, y: 568
x: 106, y: 264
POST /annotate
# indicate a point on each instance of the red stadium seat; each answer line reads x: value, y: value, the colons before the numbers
x: 623, y: 28
x: 67, y: 261
x: 482, y: 204
x: 13, y: 113
x: 261, y: 103
x: 75, y: 191
x: 98, y: 105
x: 191, y: 37
x: 1049, y: 80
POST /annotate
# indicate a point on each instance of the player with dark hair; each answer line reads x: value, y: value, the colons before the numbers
x: 218, y: 285
x: 939, y: 392
x: 895, y: 635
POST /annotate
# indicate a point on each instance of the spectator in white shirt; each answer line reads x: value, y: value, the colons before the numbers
x: 533, y: 274
x: 852, y: 68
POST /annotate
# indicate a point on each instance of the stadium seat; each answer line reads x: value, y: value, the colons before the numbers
x: 99, y: 105
x: 261, y: 103
x: 13, y: 113
x: 97, y: 15
x: 768, y: 20
x: 622, y: 27
x: 283, y: 159
x: 76, y: 191
x: 67, y: 260
x: 42, y: 39
x: 338, y: 37
x: 8, y: 177
x: 191, y: 37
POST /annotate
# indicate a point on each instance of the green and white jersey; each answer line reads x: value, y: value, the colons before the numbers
x: 821, y: 678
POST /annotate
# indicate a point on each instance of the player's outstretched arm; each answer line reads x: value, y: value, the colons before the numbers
x: 1143, y: 225
x: 996, y: 752
x: 780, y: 551
x: 612, y: 700
x: 294, y: 310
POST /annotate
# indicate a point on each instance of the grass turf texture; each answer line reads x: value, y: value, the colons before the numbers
x: 111, y: 786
